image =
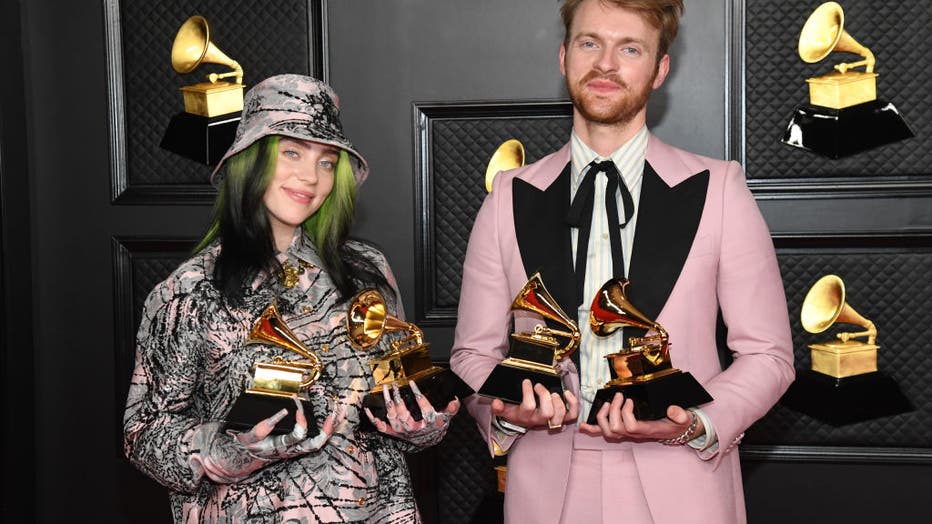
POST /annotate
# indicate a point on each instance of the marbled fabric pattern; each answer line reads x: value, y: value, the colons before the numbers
x: 192, y: 364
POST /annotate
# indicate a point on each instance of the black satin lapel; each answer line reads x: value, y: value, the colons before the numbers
x: 668, y: 218
x: 544, y: 238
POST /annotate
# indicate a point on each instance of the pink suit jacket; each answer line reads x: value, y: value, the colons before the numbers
x: 681, y: 274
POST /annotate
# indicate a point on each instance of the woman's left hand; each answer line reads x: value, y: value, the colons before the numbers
x: 425, y: 432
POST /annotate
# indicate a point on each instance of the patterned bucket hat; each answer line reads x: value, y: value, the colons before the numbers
x: 295, y: 106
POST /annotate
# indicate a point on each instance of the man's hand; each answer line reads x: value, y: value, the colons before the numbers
x: 616, y: 420
x: 538, y: 407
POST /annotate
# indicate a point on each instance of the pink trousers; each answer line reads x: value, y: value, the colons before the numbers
x: 604, y: 487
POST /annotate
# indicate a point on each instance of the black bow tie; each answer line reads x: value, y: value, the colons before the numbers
x: 580, y: 216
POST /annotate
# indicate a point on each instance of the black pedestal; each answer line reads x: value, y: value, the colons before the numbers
x: 505, y: 383
x: 840, y: 401
x: 652, y: 398
x: 200, y: 138
x: 251, y: 408
x: 841, y: 132
x: 439, y: 388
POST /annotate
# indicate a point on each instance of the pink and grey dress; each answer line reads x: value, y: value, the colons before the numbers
x: 192, y: 364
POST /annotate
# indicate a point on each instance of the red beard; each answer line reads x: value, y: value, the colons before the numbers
x: 602, y: 111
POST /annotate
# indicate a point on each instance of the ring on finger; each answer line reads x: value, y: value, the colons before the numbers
x: 551, y: 425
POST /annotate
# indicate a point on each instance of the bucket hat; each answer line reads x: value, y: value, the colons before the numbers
x: 295, y: 106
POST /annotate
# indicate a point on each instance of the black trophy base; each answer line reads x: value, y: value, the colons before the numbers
x: 439, y: 388
x: 251, y: 408
x: 841, y: 401
x: 200, y: 138
x: 841, y: 132
x: 653, y: 397
x: 505, y: 383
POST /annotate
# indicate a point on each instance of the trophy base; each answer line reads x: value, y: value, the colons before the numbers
x: 251, y: 408
x: 439, y: 388
x: 505, y: 383
x: 200, y: 138
x: 841, y: 132
x: 841, y: 401
x: 653, y: 397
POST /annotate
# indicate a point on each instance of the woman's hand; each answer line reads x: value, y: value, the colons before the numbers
x: 231, y: 457
x: 262, y: 445
x: 423, y: 433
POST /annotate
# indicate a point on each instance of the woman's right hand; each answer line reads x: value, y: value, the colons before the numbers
x: 263, y: 445
x: 231, y: 456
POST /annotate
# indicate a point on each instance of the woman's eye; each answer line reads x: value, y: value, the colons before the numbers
x: 327, y: 164
x: 290, y: 153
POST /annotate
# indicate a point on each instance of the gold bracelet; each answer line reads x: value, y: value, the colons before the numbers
x: 686, y: 436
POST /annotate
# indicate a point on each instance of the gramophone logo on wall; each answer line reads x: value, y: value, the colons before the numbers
x: 844, y: 115
x: 844, y: 384
x: 205, y: 130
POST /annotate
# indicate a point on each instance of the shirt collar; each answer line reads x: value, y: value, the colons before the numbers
x: 628, y: 158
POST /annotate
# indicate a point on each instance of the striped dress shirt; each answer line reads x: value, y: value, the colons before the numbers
x: 629, y: 159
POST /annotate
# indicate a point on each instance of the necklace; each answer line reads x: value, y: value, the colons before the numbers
x: 288, y: 274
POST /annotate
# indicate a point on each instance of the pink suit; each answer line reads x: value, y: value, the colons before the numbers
x: 701, y: 244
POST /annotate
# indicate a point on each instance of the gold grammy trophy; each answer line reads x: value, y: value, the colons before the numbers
x: 408, y: 361
x: 844, y: 384
x: 276, y: 383
x: 205, y: 130
x: 825, y: 306
x: 533, y: 355
x: 643, y: 372
x: 844, y: 115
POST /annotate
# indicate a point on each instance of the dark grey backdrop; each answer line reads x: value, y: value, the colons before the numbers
x: 75, y: 263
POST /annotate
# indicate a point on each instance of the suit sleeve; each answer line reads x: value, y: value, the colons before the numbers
x: 751, y: 296
x: 483, y: 319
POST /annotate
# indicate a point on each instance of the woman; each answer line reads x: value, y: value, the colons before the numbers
x: 287, y: 190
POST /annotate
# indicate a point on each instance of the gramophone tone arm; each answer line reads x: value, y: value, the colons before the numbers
x: 314, y: 367
x: 870, y: 333
x: 868, y: 62
x: 237, y: 72
x: 571, y: 344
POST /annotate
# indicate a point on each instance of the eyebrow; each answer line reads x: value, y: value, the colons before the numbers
x: 622, y: 41
x: 306, y: 144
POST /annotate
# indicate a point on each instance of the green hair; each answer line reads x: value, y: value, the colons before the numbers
x: 241, y: 224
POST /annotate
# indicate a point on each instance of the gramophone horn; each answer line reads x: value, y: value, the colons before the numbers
x: 509, y: 155
x: 368, y: 320
x: 192, y: 47
x: 825, y: 305
x: 270, y: 329
x: 535, y: 298
x: 824, y: 32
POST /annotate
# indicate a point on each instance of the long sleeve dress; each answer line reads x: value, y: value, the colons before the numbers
x: 192, y: 364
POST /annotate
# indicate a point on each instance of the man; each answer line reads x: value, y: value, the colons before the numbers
x: 686, y: 232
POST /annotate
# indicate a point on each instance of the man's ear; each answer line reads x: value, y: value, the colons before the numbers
x: 563, y: 59
x: 663, y: 67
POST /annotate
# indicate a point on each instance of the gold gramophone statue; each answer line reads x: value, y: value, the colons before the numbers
x: 824, y: 306
x: 206, y: 128
x: 409, y: 360
x: 275, y: 383
x: 843, y: 385
x: 844, y: 115
x: 533, y: 355
x: 643, y: 372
